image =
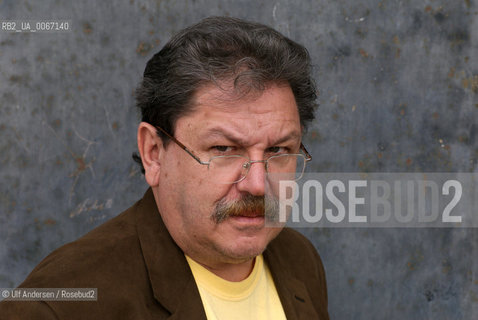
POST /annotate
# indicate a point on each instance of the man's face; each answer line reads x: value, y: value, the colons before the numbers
x: 257, y: 126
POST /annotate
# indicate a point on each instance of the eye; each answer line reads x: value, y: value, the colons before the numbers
x: 221, y: 149
x: 277, y: 150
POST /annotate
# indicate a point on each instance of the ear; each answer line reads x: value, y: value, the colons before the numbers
x: 150, y: 148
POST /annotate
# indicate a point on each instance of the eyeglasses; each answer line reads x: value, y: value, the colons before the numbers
x: 230, y: 169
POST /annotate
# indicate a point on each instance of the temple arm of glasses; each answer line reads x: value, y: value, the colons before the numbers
x: 307, y: 154
x: 182, y: 146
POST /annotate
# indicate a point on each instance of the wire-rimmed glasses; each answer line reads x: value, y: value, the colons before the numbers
x: 230, y: 169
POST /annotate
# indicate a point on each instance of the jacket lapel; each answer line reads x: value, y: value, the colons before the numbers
x: 292, y: 292
x: 169, y: 273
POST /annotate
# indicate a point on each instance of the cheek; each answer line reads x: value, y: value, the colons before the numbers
x: 200, y: 180
x: 191, y: 171
x: 200, y: 197
x: 195, y: 190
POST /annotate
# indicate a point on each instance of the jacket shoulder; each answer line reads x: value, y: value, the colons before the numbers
x: 108, y: 258
x: 90, y: 258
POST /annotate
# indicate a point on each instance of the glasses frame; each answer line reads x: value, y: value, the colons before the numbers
x: 246, y: 165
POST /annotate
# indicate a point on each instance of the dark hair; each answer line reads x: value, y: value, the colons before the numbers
x: 219, y: 49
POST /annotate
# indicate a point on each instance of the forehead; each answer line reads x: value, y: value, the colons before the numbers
x: 272, y: 108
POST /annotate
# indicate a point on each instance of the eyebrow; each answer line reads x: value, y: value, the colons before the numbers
x: 294, y: 135
x: 221, y: 132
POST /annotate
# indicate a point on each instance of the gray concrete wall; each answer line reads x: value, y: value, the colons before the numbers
x: 399, y: 92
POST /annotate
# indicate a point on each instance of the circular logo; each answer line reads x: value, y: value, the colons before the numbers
x: 5, y: 293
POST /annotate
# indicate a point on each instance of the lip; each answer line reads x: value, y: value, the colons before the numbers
x: 248, y: 221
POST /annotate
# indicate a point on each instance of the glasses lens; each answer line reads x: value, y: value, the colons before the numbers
x: 232, y: 169
x: 228, y: 169
x: 289, y: 166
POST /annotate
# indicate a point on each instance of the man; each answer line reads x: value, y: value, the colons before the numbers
x: 224, y: 105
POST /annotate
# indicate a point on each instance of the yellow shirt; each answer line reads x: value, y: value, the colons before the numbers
x: 252, y: 298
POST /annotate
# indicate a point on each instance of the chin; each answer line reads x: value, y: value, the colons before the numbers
x: 239, y: 256
x: 240, y: 243
x: 247, y: 248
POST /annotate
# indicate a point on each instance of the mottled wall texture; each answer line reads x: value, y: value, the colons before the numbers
x: 398, y: 92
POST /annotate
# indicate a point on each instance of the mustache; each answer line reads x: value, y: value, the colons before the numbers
x: 248, y: 206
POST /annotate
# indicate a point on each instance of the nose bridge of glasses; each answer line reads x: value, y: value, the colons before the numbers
x: 257, y: 175
x: 248, y: 164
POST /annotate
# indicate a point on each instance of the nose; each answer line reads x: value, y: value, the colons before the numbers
x: 254, y: 182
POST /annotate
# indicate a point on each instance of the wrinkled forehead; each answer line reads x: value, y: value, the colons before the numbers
x: 276, y: 99
x: 272, y: 111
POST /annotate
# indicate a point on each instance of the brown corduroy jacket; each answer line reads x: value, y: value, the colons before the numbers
x: 140, y: 273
